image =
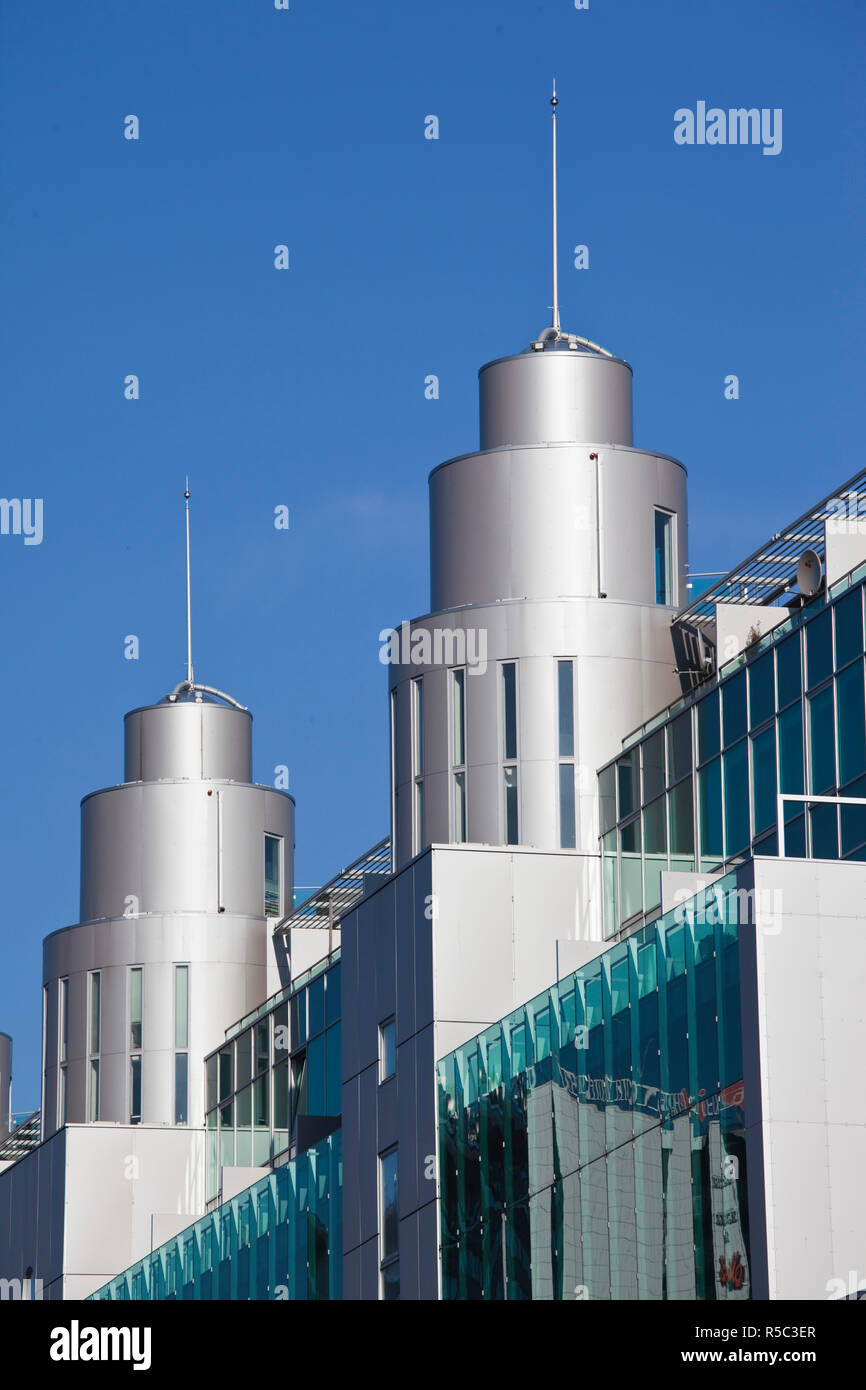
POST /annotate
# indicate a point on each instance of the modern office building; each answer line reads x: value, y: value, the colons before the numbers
x: 587, y: 1025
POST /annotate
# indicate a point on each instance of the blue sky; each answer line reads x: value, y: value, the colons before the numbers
x: 306, y: 387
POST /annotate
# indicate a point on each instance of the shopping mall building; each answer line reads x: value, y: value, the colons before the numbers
x: 588, y: 1023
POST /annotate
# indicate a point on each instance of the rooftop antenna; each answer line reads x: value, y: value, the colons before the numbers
x: 556, y: 326
x: 189, y: 674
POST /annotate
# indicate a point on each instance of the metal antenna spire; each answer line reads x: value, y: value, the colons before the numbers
x: 189, y: 675
x: 554, y: 103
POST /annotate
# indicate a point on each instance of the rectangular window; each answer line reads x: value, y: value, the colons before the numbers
x: 93, y: 1110
x: 181, y: 1006
x: 458, y: 755
x: 565, y: 703
x: 664, y: 557
x: 135, y: 1008
x: 95, y: 1011
x: 63, y: 1092
x: 273, y: 875
x: 63, y: 1020
x: 387, y: 1049
x: 181, y: 1088
x: 389, y: 1225
x: 418, y: 827
x: 509, y: 711
x: 135, y: 1090
x: 511, y: 819
x: 566, y: 806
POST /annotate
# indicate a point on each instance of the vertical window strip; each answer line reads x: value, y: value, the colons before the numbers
x: 418, y: 827
x: 511, y: 818
x: 181, y: 1043
x: 565, y: 725
x: 95, y: 1039
x: 458, y: 754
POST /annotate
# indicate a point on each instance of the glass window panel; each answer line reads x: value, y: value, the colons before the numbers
x: 226, y: 1073
x: 850, y: 723
x: 630, y: 857
x: 244, y: 1059
x: 135, y: 1007
x: 736, y: 768
x: 710, y: 813
x: 655, y: 851
x: 822, y: 742
x: 825, y: 840
x: 653, y: 756
x: 281, y: 1106
x: 611, y: 918
x: 298, y: 1004
x: 316, y: 1075
x: 134, y: 1090
x: 262, y: 1045
x: 764, y: 780
x: 460, y: 807
x: 332, y: 994
x: 565, y: 676
x: 510, y: 788
x: 418, y: 727
x: 734, y: 708
x: 819, y: 648
x: 282, y: 1035
x: 795, y: 837
x: 680, y: 747
x: 607, y: 798
x: 566, y: 806
x: 387, y: 1049
x: 682, y: 826
x: 261, y: 1106
x: 509, y: 710
x: 94, y: 1089
x: 316, y: 1005
x: 626, y: 778
x: 853, y: 824
x: 458, y: 699
x: 95, y: 1009
x: 788, y: 674
x: 333, y: 1073
x: 762, y: 689
x: 791, y: 753
x: 848, y: 623
x: 211, y: 1082
x: 664, y: 524
x: 709, y: 727
x: 181, y: 1088
x: 273, y: 876
x: 181, y: 1006
x: 389, y: 1204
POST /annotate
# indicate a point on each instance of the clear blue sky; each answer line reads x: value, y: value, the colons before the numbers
x: 306, y: 387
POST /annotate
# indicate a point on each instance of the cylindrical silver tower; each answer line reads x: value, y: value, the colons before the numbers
x: 5, y: 1084
x: 557, y: 556
x: 181, y: 867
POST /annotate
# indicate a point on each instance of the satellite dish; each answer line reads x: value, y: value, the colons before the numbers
x: 810, y: 574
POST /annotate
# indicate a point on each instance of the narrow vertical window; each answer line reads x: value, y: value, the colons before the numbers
x: 664, y: 557
x: 387, y: 1049
x: 62, y: 1050
x: 135, y: 1090
x: 95, y: 1042
x: 393, y: 708
x: 509, y: 753
x: 418, y: 827
x: 63, y: 1029
x: 389, y: 1226
x: 458, y: 754
x: 135, y: 1008
x: 565, y: 699
x: 273, y: 875
x: 181, y: 1043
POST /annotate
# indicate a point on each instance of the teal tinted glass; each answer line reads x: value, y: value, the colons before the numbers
x: 850, y: 723
x: 823, y: 831
x: 630, y: 868
x: 762, y: 690
x: 822, y: 742
x: 626, y: 778
x: 788, y: 674
x: 710, y: 810
x: 764, y: 780
x: 680, y: 747
x: 819, y: 648
x: 709, y: 727
x: 736, y: 775
x: 791, y: 751
x: 852, y: 819
x: 681, y: 813
x: 734, y: 708
x: 653, y: 758
x: 607, y: 799
x: 848, y: 626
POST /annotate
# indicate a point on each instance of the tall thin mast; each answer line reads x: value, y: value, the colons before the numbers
x: 189, y: 674
x: 554, y: 103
